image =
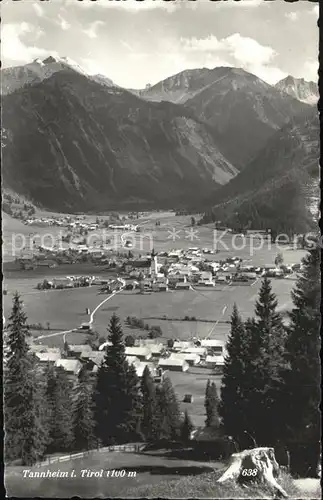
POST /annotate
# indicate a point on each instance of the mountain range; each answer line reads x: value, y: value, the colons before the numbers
x: 79, y: 142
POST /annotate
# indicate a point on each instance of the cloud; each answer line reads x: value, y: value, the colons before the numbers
x: 311, y: 70
x: 38, y: 9
x: 63, y: 23
x: 292, y: 16
x: 235, y: 50
x: 14, y: 49
x: 91, y: 32
x: 132, y: 5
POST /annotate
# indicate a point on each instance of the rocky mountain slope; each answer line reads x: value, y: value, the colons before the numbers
x: 243, y: 109
x: 17, y: 77
x: 71, y: 143
x: 280, y: 187
x: 300, y: 89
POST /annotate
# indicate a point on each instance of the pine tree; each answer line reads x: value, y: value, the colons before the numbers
x: 59, y: 396
x: 117, y: 392
x: 25, y: 429
x: 84, y: 436
x: 267, y: 366
x: 301, y: 415
x: 266, y: 315
x: 149, y: 406
x: 186, y: 428
x: 168, y: 411
x: 211, y: 405
x: 235, y: 385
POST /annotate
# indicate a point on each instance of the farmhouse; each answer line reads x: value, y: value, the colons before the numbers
x: 80, y: 350
x: 174, y: 364
x: 201, y: 351
x: 191, y: 358
x: 216, y: 346
x: 96, y: 357
x: 180, y: 345
x: 213, y: 361
x: 143, y: 353
x: 72, y: 366
x: 140, y: 368
x: 183, y: 286
x: 48, y: 357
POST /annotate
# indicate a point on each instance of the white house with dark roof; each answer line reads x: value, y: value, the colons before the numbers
x: 143, y: 353
x: 173, y: 364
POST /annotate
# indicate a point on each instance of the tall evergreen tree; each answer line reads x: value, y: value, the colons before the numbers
x: 25, y: 429
x: 60, y: 401
x: 302, y: 394
x: 84, y: 425
x: 149, y: 406
x: 169, y: 418
x: 211, y: 404
x: 116, y: 393
x: 235, y: 385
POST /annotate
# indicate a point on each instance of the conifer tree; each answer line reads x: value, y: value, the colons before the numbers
x: 168, y: 411
x: 84, y: 435
x: 59, y: 396
x: 235, y: 384
x: 301, y: 388
x: 116, y: 393
x: 149, y: 406
x: 25, y: 429
x: 267, y: 365
x: 186, y: 428
x: 211, y: 404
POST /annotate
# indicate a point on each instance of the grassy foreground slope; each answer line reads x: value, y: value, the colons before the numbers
x: 205, y: 486
x: 141, y: 475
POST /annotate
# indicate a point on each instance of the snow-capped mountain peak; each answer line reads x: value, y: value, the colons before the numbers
x: 299, y: 89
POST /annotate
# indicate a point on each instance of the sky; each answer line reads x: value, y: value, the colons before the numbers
x: 136, y: 43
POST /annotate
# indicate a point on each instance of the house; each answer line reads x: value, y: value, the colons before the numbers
x: 140, y: 368
x: 191, y: 358
x: 173, y: 364
x: 183, y: 286
x: 48, y: 357
x: 180, y: 345
x: 209, y: 283
x: 80, y: 350
x: 73, y: 366
x: 143, y: 353
x: 96, y: 357
x: 201, y: 351
x: 214, y: 361
x: 216, y: 346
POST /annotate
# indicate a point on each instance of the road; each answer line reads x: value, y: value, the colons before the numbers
x: 90, y: 322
